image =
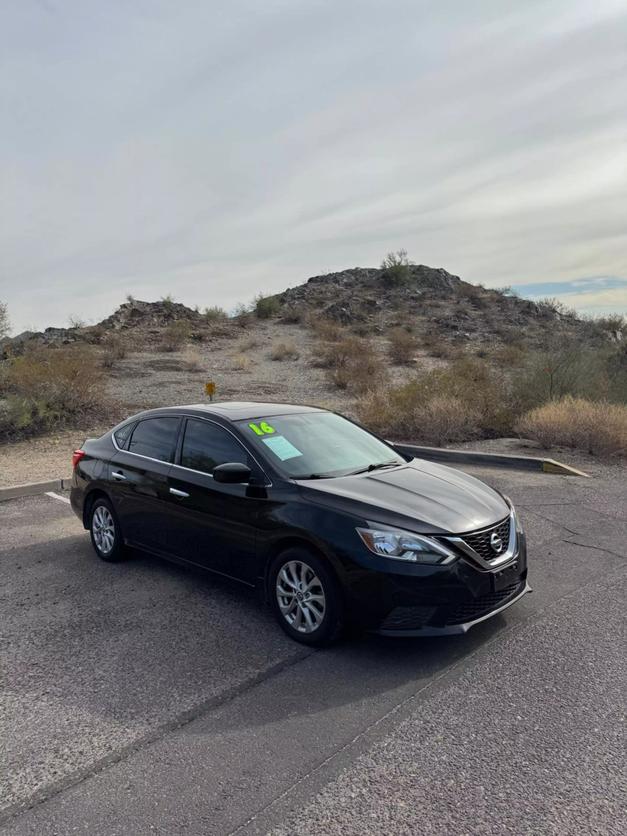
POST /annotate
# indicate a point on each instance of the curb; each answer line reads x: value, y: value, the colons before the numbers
x: 33, y: 489
x: 444, y: 455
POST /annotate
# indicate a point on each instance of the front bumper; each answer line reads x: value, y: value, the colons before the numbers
x: 414, y: 600
x: 453, y: 629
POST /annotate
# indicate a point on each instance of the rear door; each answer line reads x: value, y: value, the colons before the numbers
x: 139, y: 477
x: 214, y: 525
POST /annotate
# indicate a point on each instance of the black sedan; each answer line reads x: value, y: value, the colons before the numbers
x: 332, y: 523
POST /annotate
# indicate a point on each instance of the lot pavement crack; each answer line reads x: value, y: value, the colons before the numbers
x: 398, y: 708
x: 176, y: 722
x: 590, y: 546
x: 549, y: 520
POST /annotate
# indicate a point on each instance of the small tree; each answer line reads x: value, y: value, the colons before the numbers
x: 5, y: 324
x: 266, y: 306
x: 396, y: 268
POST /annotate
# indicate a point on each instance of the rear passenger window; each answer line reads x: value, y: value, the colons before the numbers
x: 156, y: 438
x: 207, y: 445
x: 123, y: 434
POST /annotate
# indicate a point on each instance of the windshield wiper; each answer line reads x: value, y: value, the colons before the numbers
x: 314, y: 476
x: 372, y: 467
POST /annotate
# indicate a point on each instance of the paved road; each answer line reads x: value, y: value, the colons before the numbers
x: 144, y: 698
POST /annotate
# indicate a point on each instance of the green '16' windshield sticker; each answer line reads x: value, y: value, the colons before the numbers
x: 262, y: 428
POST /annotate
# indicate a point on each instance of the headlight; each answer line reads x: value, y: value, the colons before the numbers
x: 405, y: 545
x: 517, y: 522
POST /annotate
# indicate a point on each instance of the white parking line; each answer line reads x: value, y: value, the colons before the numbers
x: 58, y: 496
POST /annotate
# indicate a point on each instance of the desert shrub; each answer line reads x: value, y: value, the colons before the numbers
x: 5, y: 324
x: 403, y: 345
x: 611, y: 324
x: 192, y: 361
x: 473, y: 294
x: 479, y: 399
x: 50, y: 387
x: 438, y: 346
x: 175, y: 335
x: 402, y: 416
x: 512, y: 355
x: 114, y: 348
x: 595, y: 427
x: 214, y: 314
x: 243, y: 315
x: 325, y: 329
x: 352, y: 363
x: 266, y: 306
x: 554, y: 306
x: 241, y: 363
x: 75, y: 321
x: 568, y: 369
x: 248, y: 344
x: 293, y: 314
x: 284, y: 351
x: 396, y: 269
x: 168, y: 302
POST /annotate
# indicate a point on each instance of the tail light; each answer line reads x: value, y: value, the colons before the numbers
x: 77, y: 455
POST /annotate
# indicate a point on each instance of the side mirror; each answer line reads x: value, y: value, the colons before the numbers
x: 232, y: 473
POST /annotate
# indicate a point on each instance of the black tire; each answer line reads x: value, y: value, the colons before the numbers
x: 327, y: 616
x: 109, y: 547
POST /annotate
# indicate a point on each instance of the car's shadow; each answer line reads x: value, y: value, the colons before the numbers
x: 361, y: 666
x: 143, y: 641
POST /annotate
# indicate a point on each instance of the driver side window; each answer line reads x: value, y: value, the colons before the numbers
x: 206, y: 445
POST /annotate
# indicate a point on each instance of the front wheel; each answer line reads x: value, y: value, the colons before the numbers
x: 306, y: 598
x: 106, y: 537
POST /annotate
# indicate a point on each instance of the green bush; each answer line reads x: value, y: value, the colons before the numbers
x: 395, y: 269
x: 266, y: 306
x: 214, y: 314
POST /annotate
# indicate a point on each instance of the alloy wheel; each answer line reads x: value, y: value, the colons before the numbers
x: 103, y: 529
x: 300, y: 596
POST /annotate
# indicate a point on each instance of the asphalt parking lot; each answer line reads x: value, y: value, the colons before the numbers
x: 145, y: 698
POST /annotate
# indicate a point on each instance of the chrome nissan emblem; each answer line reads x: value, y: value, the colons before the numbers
x: 496, y: 543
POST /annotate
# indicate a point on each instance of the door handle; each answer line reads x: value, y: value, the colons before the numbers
x: 180, y: 494
x: 119, y: 476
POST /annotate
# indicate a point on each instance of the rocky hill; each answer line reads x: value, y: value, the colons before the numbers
x: 433, y: 303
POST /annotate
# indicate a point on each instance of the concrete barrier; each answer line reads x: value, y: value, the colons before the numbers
x: 445, y: 456
x: 33, y: 488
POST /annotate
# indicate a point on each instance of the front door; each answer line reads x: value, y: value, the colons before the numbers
x: 213, y: 524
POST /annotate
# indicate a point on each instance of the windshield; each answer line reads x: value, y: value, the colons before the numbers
x: 317, y: 444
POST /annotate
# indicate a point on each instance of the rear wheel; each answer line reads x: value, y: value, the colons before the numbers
x: 104, y: 528
x: 306, y: 598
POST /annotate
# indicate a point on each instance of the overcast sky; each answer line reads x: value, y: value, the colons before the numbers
x: 213, y: 150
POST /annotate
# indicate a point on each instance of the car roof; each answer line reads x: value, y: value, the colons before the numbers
x: 236, y: 410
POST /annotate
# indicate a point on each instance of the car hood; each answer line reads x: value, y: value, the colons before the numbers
x: 428, y: 497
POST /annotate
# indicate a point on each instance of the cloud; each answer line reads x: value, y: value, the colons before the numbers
x: 213, y: 149
x: 593, y: 295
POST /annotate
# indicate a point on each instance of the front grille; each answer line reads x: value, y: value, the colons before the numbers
x: 482, y: 605
x: 480, y: 542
